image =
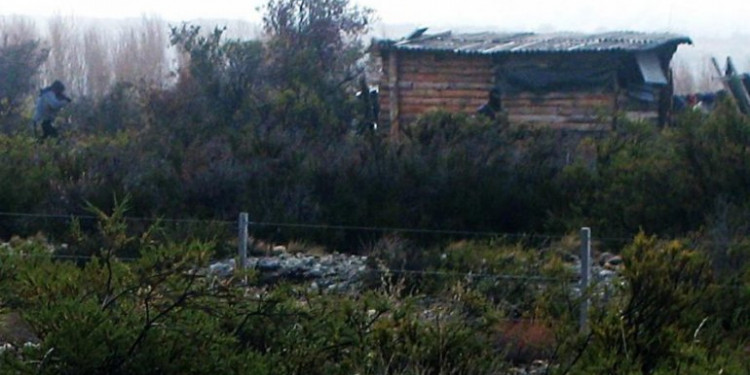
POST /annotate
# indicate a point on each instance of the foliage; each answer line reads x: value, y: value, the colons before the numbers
x: 221, y: 78
x: 164, y: 313
x: 110, y: 317
x: 486, y: 177
x: 665, y: 180
x: 512, y: 275
x: 267, y: 127
x: 121, y: 108
x: 660, y: 320
x: 20, y: 63
x: 314, y: 42
x: 716, y: 150
x: 313, y: 53
x: 172, y: 162
x: 28, y: 174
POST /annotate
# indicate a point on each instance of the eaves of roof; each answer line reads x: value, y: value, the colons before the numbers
x: 530, y: 43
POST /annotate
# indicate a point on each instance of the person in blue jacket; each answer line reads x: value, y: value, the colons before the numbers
x: 51, y: 99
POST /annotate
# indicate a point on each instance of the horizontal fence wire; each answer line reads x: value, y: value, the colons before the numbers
x: 322, y: 227
x: 570, y: 281
x: 504, y: 277
x: 402, y: 230
x: 232, y: 226
x: 126, y: 218
x: 291, y: 225
x: 378, y: 270
x: 468, y: 275
x: 341, y: 227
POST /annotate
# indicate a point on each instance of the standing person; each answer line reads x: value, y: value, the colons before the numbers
x: 51, y: 99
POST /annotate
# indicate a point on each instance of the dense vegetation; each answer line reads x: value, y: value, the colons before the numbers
x: 274, y: 128
x: 162, y: 312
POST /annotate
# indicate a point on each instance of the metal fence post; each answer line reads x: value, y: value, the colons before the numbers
x: 242, y: 243
x: 585, y: 277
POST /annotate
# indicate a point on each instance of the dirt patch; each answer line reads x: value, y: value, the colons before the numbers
x: 14, y: 330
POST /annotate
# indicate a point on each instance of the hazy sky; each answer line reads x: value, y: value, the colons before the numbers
x: 691, y: 17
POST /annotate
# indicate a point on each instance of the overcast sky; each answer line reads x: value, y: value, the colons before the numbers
x: 690, y: 17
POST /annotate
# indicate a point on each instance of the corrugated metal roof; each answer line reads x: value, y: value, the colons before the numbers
x: 510, y: 43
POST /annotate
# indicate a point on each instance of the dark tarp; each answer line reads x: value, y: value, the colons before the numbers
x: 557, y: 74
x: 643, y: 92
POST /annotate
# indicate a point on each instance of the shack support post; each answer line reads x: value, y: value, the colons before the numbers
x: 585, y: 277
x: 242, y: 239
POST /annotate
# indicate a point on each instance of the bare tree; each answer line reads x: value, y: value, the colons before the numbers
x: 17, y: 29
x: 125, y: 62
x: 684, y: 79
x: 708, y: 79
x: 66, y: 60
x: 154, y: 42
x: 99, y: 72
x: 140, y: 53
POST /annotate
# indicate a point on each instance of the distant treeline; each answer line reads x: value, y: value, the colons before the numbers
x: 95, y: 54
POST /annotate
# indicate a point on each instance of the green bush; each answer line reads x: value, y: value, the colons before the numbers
x: 28, y: 175
x: 517, y: 281
x: 163, y: 314
x: 660, y: 320
x: 20, y: 63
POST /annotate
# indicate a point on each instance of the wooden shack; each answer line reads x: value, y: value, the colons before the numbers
x: 562, y: 80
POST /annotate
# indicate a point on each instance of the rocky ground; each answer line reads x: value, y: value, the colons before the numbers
x: 538, y: 367
x: 332, y: 272
x: 342, y: 272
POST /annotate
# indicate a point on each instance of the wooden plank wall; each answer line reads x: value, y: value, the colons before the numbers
x: 634, y: 110
x: 461, y: 83
x: 562, y: 110
x: 436, y: 81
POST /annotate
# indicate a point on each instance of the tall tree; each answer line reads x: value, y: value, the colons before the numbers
x: 98, y: 63
x: 17, y: 29
x: 313, y: 50
x: 66, y: 61
x: 21, y: 58
x: 316, y: 39
x: 223, y: 74
x: 140, y: 54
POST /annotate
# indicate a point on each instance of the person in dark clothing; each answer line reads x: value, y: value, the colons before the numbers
x: 369, y: 112
x: 51, y: 99
x: 493, y: 106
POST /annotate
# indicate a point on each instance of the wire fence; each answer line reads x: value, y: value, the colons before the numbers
x: 375, y: 270
x: 230, y: 230
x: 229, y: 227
x: 316, y: 226
x: 580, y: 280
x: 96, y: 218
